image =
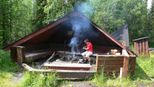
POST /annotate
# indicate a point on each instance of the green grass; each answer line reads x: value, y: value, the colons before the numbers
x: 29, y: 79
x: 7, y: 69
x: 34, y: 79
x: 142, y: 77
x: 144, y: 67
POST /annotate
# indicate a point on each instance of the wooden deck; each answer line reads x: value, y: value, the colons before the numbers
x: 65, y: 74
x: 67, y: 66
x: 103, y: 63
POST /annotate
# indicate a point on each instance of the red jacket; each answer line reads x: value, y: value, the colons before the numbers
x: 89, y: 46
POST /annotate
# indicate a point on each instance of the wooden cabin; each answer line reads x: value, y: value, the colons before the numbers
x: 141, y: 46
x: 56, y: 36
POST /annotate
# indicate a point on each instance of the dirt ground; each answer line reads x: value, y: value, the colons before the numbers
x: 78, y: 84
x: 17, y: 77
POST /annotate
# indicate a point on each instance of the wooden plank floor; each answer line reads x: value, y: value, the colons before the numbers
x: 63, y: 65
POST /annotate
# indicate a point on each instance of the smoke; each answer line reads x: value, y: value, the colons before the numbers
x: 74, y: 44
x: 85, y: 8
x: 81, y: 26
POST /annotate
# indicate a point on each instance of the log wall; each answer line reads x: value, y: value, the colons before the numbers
x: 112, y: 64
x: 141, y: 46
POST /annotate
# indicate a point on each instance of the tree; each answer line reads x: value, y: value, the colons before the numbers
x: 150, y: 27
x: 111, y: 14
x: 15, y: 20
x: 5, y: 21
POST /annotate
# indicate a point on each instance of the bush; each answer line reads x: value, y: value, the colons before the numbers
x: 35, y: 79
x: 7, y: 69
x: 6, y: 63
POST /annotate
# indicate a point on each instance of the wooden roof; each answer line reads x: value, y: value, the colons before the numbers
x: 141, y: 38
x: 50, y: 33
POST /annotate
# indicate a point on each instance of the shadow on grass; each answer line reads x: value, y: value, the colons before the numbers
x: 140, y: 74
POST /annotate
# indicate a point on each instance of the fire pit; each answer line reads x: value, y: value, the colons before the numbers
x: 64, y: 60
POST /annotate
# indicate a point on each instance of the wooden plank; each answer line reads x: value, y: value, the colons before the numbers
x: 137, y: 48
x: 147, y: 48
x: 20, y: 54
x: 125, y: 67
x: 66, y: 65
x: 139, y: 42
x: 110, y: 66
x: 97, y: 61
x: 142, y: 38
x: 110, y: 62
x: 113, y: 71
x: 69, y: 74
x: 143, y: 45
x: 29, y: 68
x: 111, y: 58
x: 68, y: 68
x: 142, y: 50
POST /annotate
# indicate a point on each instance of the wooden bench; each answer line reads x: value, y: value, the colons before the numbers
x: 20, y: 54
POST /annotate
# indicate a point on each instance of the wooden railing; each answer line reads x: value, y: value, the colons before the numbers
x: 112, y: 64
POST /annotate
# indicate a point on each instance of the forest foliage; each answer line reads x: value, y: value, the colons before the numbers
x: 21, y: 17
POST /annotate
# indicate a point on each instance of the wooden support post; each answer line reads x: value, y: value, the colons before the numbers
x: 143, y: 46
x: 121, y: 69
x: 135, y: 46
x: 139, y: 44
x: 147, y: 48
x: 14, y: 53
x: 125, y: 67
x: 20, y: 54
x: 97, y: 63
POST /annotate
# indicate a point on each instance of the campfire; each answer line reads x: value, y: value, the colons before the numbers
x: 66, y: 56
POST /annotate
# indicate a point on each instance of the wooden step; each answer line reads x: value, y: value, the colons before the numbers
x: 67, y: 66
x: 64, y: 74
x: 75, y: 74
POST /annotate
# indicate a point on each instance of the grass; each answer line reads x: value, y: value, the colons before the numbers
x: 142, y: 77
x: 7, y: 69
x: 34, y: 79
x: 145, y: 67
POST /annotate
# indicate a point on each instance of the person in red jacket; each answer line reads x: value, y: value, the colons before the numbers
x: 88, y: 52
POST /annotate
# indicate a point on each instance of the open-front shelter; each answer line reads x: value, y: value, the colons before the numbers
x: 56, y: 36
